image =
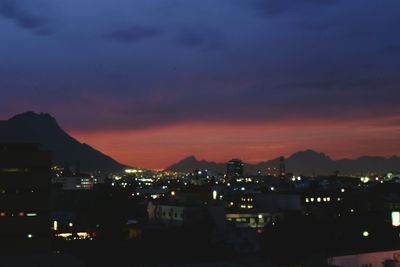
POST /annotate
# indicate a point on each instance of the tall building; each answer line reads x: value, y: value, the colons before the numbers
x: 25, y: 183
x: 234, y: 169
x: 282, y: 167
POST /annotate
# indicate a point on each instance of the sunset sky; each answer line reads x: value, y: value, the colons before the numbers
x: 150, y: 82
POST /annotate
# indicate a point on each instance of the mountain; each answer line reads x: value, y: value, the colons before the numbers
x: 43, y: 129
x: 191, y: 163
x: 306, y: 162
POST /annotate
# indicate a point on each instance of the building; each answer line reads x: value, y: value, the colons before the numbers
x: 252, y: 219
x: 234, y: 169
x: 173, y: 214
x: 282, y: 167
x: 178, y: 215
x: 373, y: 259
x: 81, y: 182
x: 25, y: 183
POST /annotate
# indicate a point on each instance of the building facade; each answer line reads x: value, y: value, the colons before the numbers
x: 25, y: 184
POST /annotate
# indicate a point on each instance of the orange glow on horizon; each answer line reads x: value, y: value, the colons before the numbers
x: 161, y: 147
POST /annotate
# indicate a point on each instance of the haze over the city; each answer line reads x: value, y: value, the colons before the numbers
x: 151, y: 82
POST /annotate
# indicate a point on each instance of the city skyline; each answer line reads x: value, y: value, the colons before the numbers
x: 161, y: 80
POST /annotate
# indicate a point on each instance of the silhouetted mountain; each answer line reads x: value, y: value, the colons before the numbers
x: 43, y: 129
x: 306, y: 162
x: 191, y: 163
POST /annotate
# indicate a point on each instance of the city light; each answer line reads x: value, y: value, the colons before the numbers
x: 365, y: 179
x: 395, y: 218
x: 214, y: 194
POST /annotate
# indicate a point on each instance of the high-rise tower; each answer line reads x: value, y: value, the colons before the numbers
x: 234, y: 169
x: 282, y: 167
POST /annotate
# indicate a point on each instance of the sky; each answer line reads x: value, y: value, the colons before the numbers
x: 150, y: 82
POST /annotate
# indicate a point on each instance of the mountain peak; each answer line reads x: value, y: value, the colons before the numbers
x: 31, y: 116
x: 43, y: 129
x: 309, y: 153
x: 190, y: 158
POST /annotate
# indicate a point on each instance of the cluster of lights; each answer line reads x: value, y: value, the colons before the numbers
x: 155, y: 196
x: 317, y: 199
x: 294, y: 178
x: 130, y: 171
x: 365, y: 179
x: 55, y: 225
x: 78, y: 236
x: 246, y: 206
x: 246, y: 180
x: 19, y: 214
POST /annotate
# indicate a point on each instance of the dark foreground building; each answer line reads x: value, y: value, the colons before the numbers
x: 25, y: 182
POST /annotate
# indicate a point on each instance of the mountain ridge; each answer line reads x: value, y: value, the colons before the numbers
x: 306, y: 162
x: 43, y: 129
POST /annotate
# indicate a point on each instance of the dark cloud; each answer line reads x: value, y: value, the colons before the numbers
x: 200, y: 38
x: 258, y: 70
x: 277, y: 7
x: 133, y: 34
x: 13, y: 9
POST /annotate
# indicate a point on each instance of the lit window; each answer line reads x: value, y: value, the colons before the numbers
x: 396, y: 218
